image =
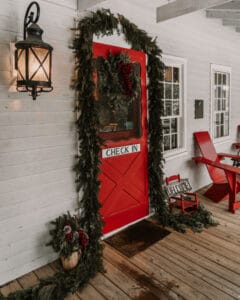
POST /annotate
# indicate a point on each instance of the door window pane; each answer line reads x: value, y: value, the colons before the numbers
x: 122, y: 118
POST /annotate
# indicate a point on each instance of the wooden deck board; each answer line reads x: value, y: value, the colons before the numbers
x: 72, y: 297
x: 44, y: 272
x: 181, y: 266
x: 209, y: 260
x: 132, y: 288
x: 195, y: 258
x: 10, y: 288
x: 28, y: 280
x: 225, y: 235
x: 208, y: 253
x: 196, y: 269
x: 107, y: 288
x: 136, y: 273
x: 89, y: 293
x: 218, y: 243
x: 165, y: 277
x: 184, y: 274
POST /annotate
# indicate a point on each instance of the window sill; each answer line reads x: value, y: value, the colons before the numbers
x: 173, y: 154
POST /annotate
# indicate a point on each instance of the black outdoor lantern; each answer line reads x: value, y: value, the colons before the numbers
x: 33, y: 57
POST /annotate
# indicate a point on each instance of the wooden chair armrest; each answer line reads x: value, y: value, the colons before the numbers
x: 229, y: 155
x: 236, y: 145
x: 193, y: 196
x: 201, y: 159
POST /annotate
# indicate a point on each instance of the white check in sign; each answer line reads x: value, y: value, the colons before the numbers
x: 122, y: 150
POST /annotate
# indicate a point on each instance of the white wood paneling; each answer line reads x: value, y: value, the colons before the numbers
x: 37, y: 142
x: 64, y: 3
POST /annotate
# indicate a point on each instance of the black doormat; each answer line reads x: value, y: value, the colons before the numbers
x: 137, y: 237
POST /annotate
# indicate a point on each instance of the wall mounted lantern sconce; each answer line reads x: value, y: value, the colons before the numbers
x: 33, y: 57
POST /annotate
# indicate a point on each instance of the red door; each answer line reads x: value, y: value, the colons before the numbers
x: 124, y: 176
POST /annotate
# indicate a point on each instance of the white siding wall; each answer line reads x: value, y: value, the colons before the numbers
x: 37, y: 142
x: 37, y: 138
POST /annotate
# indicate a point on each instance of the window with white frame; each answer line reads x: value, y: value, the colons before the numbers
x: 220, y: 100
x: 173, y: 101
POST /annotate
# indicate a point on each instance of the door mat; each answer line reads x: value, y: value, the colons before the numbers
x: 137, y: 238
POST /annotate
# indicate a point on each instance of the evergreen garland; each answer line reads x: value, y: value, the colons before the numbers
x: 139, y: 40
x: 103, y: 22
x: 197, y: 221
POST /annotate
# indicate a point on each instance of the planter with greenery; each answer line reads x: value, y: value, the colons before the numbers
x: 68, y: 239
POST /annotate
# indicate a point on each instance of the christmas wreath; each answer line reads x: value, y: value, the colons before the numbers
x: 117, y: 87
x: 118, y: 81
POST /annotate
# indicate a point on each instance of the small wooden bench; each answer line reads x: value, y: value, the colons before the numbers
x: 179, y: 195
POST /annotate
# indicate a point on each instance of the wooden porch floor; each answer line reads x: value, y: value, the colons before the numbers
x: 180, y: 266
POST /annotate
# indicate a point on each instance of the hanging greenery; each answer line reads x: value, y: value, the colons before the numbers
x: 102, y: 23
x: 197, y: 221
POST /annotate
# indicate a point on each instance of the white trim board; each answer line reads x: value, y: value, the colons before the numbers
x: 85, y: 4
x: 226, y: 69
x: 182, y: 63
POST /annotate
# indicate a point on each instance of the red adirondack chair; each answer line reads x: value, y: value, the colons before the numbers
x: 226, y: 183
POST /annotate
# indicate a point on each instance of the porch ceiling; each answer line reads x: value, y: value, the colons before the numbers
x: 181, y: 7
x: 229, y: 13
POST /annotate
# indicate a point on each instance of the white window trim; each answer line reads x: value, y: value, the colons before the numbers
x: 182, y: 63
x: 226, y: 69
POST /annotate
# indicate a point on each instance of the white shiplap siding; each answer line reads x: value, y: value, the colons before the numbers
x: 37, y: 143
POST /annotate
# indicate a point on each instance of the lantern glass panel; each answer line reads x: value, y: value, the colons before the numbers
x: 39, y: 64
x: 21, y: 74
